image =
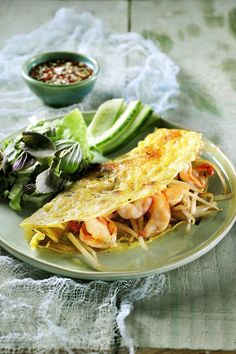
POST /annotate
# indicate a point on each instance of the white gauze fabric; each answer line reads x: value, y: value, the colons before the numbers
x: 41, y: 312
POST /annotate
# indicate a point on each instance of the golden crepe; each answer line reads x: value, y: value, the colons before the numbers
x: 123, y: 200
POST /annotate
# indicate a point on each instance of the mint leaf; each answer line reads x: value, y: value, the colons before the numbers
x: 63, y: 144
x: 71, y: 158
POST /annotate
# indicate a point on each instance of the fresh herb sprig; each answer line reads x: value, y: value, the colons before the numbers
x: 38, y: 164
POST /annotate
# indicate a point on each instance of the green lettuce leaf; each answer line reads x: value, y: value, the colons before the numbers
x: 16, y: 193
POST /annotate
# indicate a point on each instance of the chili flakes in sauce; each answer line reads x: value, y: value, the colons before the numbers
x: 61, y: 72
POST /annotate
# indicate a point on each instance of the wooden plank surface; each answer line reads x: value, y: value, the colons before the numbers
x: 23, y: 16
x: 180, y: 351
x: 199, y: 309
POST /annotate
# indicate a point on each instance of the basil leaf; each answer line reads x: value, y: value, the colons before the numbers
x: 31, y: 170
x: 48, y: 182
x: 71, y: 159
x: 24, y: 160
x: 38, y: 145
x: 43, y: 182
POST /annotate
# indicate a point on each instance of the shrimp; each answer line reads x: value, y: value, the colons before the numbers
x: 135, y: 209
x: 159, y: 216
x: 99, y: 232
x: 205, y: 169
x: 175, y: 193
x: 190, y: 175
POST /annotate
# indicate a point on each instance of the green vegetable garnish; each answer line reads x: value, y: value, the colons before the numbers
x: 48, y: 156
x: 38, y: 164
x: 121, y: 122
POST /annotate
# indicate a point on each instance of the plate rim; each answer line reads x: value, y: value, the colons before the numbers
x: 119, y: 275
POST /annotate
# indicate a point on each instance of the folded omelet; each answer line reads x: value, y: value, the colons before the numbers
x: 140, y: 173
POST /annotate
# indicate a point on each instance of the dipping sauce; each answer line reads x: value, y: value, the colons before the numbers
x: 61, y: 72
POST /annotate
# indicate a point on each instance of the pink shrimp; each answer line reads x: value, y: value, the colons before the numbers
x: 99, y: 232
x: 191, y: 176
x: 135, y: 209
x: 175, y: 193
x: 159, y: 216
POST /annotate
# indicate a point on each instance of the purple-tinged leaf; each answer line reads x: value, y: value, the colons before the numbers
x: 23, y: 161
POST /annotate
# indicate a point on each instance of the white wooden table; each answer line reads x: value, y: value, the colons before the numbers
x: 199, y: 310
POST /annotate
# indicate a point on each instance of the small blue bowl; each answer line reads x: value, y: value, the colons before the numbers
x: 60, y: 95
